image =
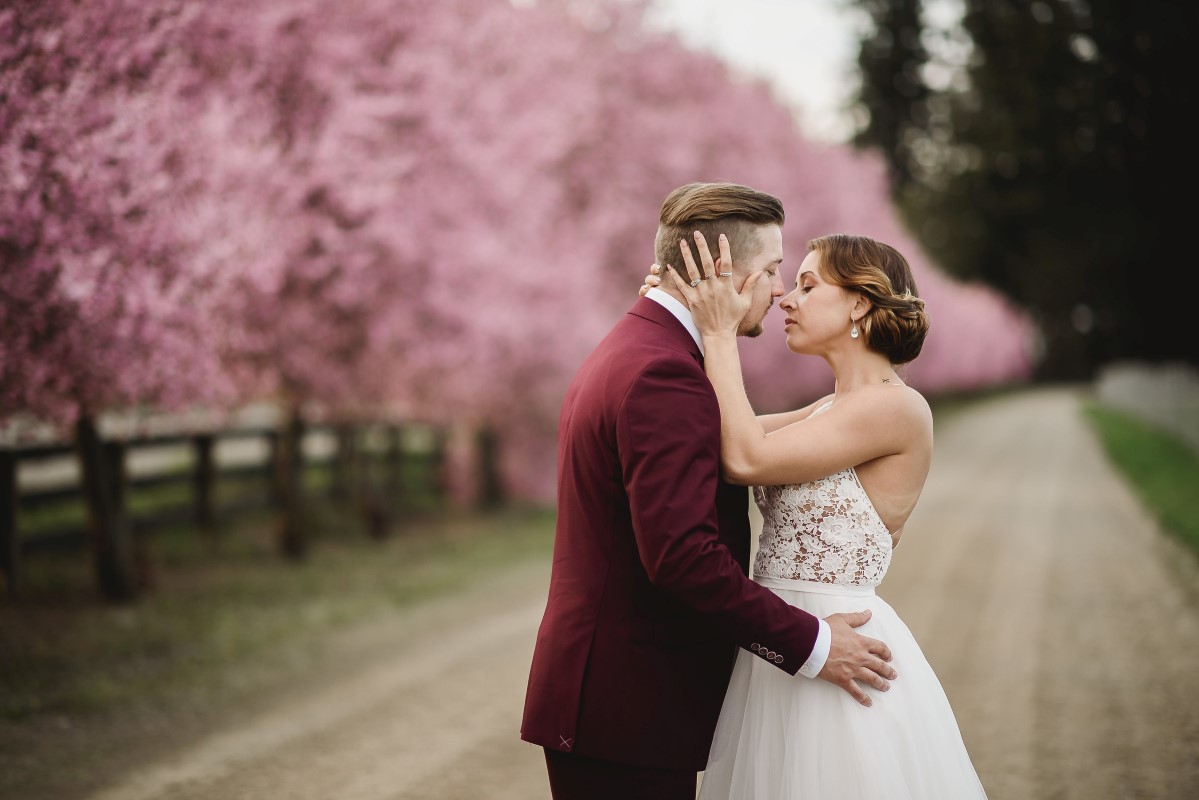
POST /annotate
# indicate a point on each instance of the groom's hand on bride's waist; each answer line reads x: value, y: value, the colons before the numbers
x: 854, y: 659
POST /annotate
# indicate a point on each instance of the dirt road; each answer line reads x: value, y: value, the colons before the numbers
x: 1063, y: 624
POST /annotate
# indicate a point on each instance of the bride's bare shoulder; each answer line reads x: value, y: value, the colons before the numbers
x: 893, y: 404
x: 914, y: 402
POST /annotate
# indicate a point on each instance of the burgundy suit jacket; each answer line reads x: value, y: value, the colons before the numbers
x: 649, y: 596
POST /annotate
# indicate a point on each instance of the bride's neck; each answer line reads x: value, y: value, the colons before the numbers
x: 853, y: 370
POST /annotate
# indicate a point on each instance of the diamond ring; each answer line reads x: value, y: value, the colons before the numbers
x: 695, y: 283
x: 726, y: 274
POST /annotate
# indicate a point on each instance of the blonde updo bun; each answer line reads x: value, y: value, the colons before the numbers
x: 897, y: 323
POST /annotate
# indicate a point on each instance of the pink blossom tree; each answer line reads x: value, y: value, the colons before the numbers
x: 387, y: 210
x: 99, y: 305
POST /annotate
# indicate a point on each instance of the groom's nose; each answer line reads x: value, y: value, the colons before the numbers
x: 776, y: 286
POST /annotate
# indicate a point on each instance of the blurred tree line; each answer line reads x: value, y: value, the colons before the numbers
x: 1046, y: 148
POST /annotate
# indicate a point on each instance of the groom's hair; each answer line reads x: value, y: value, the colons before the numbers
x: 713, y: 208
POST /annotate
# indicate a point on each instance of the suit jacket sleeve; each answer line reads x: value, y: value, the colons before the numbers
x: 668, y: 434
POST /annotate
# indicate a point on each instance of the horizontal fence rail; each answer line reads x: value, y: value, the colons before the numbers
x: 203, y: 479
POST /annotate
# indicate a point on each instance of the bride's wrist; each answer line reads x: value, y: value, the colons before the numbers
x: 716, y: 336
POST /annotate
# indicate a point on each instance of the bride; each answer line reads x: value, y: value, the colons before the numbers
x: 835, y: 482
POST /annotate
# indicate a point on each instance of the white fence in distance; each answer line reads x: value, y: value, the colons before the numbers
x: 1164, y: 395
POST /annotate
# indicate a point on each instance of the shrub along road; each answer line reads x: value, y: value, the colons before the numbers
x: 1063, y: 624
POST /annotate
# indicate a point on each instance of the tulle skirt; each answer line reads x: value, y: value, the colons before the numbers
x: 784, y: 737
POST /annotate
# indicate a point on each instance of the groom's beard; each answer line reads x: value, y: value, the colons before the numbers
x: 758, y: 328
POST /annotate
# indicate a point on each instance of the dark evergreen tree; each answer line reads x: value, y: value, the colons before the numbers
x: 1046, y: 167
x: 892, y: 87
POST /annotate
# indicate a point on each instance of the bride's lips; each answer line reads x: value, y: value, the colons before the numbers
x: 789, y: 321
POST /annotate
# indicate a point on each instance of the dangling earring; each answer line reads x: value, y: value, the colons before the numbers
x: 853, y: 332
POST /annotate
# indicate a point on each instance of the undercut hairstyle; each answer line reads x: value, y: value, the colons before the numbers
x: 896, y: 323
x: 713, y: 208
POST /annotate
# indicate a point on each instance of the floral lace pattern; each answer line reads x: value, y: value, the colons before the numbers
x: 825, y: 530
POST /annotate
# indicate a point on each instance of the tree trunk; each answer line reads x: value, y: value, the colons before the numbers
x: 108, y: 527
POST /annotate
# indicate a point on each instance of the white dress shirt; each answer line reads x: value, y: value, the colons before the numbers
x: 824, y: 639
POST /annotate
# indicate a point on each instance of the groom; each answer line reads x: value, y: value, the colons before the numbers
x: 649, y: 595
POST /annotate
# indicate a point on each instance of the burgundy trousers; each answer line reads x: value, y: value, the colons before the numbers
x: 575, y: 777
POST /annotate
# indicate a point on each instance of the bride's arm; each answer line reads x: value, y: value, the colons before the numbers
x: 740, y: 428
x: 870, y: 423
x: 773, y: 422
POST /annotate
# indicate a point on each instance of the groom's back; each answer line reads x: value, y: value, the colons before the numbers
x: 623, y: 670
x: 589, y: 467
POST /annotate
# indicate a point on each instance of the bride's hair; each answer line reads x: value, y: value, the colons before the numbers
x: 896, y: 324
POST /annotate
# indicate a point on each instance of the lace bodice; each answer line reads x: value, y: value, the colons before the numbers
x: 825, y: 530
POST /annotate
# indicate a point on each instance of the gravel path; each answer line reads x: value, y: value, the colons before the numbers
x: 1063, y: 624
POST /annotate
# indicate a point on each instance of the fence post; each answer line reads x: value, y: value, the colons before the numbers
x: 487, y: 447
x: 133, y: 541
x: 205, y: 481
x: 291, y: 535
x: 10, y: 549
x: 375, y: 512
x: 438, y: 466
x: 343, y: 464
x: 394, y: 484
x: 275, y: 472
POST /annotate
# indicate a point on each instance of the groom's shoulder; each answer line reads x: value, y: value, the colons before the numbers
x: 639, y: 342
x: 634, y: 351
x: 644, y: 364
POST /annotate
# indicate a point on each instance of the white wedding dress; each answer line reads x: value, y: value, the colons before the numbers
x: 824, y: 549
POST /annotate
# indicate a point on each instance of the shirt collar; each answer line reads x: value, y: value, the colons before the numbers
x: 679, y: 311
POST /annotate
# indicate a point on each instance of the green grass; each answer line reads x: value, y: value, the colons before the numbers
x: 1160, y: 467
x: 224, y: 607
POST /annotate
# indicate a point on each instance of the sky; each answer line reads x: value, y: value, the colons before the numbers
x: 806, y: 49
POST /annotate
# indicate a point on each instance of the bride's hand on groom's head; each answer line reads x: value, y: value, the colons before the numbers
x: 717, y: 306
x: 651, y: 280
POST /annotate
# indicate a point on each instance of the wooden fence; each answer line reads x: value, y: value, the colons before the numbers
x: 208, y: 479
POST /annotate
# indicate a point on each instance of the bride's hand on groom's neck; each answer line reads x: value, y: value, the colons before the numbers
x: 651, y: 280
